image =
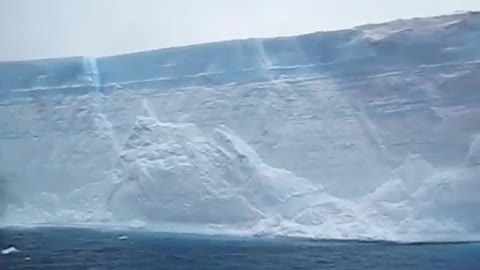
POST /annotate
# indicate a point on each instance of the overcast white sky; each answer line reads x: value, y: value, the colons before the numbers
x: 54, y: 28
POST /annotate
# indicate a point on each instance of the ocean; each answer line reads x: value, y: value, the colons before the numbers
x: 87, y: 249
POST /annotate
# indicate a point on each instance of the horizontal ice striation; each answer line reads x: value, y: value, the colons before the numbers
x: 370, y: 132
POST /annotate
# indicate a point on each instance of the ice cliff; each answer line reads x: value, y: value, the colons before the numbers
x: 372, y: 132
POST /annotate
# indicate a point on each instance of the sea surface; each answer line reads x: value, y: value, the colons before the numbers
x: 86, y: 249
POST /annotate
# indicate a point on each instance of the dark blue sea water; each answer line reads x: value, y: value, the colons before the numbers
x: 95, y: 250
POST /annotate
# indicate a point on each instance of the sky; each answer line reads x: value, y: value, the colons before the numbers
x: 56, y: 28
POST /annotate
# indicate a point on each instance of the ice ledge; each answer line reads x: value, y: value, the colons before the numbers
x: 397, y: 45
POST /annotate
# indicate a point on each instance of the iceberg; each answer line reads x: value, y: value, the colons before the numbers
x: 367, y: 133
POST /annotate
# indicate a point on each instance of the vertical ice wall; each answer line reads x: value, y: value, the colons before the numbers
x: 385, y: 117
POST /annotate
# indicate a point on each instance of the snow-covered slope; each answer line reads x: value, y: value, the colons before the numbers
x: 370, y: 132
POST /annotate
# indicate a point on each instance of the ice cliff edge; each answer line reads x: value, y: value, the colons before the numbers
x: 362, y: 51
x: 371, y: 132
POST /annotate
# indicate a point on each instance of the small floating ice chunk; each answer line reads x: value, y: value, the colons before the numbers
x: 10, y: 250
x: 27, y: 258
x: 122, y: 237
x: 137, y: 224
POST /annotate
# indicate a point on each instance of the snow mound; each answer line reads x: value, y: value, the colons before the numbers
x: 170, y: 172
